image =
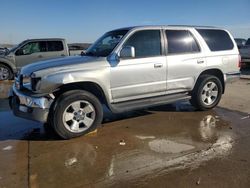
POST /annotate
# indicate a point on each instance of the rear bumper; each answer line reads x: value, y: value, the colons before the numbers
x: 232, y: 77
x: 28, y: 107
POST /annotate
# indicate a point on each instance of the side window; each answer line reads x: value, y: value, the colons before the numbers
x: 55, y: 46
x: 217, y: 40
x: 42, y: 46
x: 146, y: 43
x: 181, y: 41
x: 32, y: 47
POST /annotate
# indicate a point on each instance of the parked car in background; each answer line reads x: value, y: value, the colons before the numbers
x: 30, y: 51
x: 240, y: 42
x: 2, y: 50
x: 78, y: 48
x: 127, y: 69
x: 245, y: 54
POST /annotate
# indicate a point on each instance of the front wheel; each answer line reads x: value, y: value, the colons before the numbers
x: 76, y: 113
x: 207, y: 92
x: 5, y: 73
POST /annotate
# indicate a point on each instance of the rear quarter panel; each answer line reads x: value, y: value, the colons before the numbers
x: 227, y: 61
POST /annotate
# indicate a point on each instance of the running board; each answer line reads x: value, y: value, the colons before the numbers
x: 147, y: 102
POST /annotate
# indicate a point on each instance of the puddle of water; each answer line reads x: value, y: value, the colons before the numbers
x: 158, y: 140
x: 7, y: 148
x: 145, y: 137
x: 168, y: 146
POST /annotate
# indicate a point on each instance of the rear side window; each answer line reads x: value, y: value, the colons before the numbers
x: 146, y: 43
x: 181, y: 41
x: 217, y: 40
x: 55, y: 46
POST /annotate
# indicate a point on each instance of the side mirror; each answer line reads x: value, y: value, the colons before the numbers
x: 127, y: 52
x: 19, y: 52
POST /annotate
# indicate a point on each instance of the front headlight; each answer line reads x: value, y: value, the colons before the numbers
x: 35, y: 82
x: 26, y: 80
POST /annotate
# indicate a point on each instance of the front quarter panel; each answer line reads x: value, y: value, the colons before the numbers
x: 100, y: 76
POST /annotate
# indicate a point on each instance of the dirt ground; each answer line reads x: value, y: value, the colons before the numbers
x: 166, y: 146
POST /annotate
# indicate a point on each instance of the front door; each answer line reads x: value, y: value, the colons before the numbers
x: 29, y: 53
x: 145, y: 74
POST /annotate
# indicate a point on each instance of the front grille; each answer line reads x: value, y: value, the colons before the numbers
x: 20, y: 79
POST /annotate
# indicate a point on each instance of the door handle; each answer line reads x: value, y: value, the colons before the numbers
x: 158, y: 65
x: 200, y: 61
x: 40, y: 56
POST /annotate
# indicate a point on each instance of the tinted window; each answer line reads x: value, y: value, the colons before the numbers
x: 217, y: 40
x: 55, y: 46
x: 146, y: 43
x: 181, y: 41
x: 248, y: 42
x: 42, y: 46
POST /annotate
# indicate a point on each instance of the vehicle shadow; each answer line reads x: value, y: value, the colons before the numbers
x: 32, y: 131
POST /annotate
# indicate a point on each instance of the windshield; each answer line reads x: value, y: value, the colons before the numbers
x: 15, y: 47
x: 105, y: 45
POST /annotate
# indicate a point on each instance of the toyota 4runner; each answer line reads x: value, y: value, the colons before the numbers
x: 127, y: 69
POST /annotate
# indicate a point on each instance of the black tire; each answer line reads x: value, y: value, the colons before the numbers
x: 8, y: 72
x: 198, y: 92
x: 63, y: 102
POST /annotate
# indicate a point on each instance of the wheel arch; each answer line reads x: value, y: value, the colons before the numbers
x: 214, y: 72
x: 9, y: 66
x: 89, y: 86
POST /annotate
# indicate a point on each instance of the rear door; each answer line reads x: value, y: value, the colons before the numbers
x: 145, y: 74
x: 184, y: 59
x: 55, y: 49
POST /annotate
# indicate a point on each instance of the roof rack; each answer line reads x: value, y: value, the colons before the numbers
x: 192, y: 26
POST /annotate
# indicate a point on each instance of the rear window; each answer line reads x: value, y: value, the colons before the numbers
x: 217, y: 40
x: 55, y: 46
x: 181, y: 41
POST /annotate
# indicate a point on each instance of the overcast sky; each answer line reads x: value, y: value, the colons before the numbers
x: 85, y: 21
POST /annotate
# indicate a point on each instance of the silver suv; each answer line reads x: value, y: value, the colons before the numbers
x: 127, y: 69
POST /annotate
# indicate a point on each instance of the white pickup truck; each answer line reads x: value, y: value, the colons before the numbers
x: 30, y: 51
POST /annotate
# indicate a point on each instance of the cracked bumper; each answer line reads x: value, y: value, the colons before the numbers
x: 29, y: 107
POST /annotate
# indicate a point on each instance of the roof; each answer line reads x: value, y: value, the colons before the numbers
x: 41, y: 39
x: 172, y: 26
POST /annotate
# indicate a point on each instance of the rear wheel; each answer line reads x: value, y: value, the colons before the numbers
x: 76, y: 113
x: 5, y: 73
x: 207, y: 92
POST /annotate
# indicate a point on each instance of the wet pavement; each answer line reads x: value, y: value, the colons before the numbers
x: 171, y: 145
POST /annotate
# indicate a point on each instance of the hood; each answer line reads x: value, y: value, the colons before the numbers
x: 60, y: 63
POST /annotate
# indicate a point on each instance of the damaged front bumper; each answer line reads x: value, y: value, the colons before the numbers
x: 26, y: 106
